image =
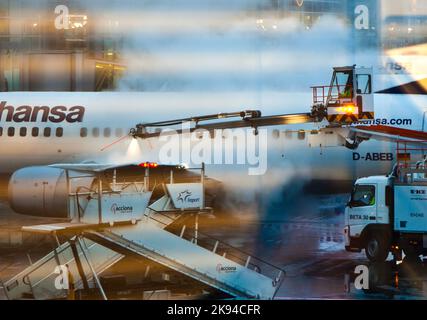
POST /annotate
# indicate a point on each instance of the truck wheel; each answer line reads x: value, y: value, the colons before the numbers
x: 377, y: 247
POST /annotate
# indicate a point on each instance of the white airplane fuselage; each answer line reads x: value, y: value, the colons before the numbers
x: 90, y: 122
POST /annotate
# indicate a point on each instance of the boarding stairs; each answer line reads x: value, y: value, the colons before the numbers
x: 198, y: 256
x: 83, y: 259
x: 165, y: 233
x: 204, y: 259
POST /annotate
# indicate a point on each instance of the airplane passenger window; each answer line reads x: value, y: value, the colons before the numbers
x: 107, y: 132
x: 11, y: 131
x: 47, y: 132
x: 35, y: 132
x: 23, y: 131
x: 83, y: 132
x: 119, y: 132
x: 95, y: 132
x: 59, y: 132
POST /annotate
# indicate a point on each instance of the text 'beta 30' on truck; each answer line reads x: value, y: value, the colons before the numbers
x: 388, y: 214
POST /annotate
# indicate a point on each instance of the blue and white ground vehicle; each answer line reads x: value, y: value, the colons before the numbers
x: 389, y: 213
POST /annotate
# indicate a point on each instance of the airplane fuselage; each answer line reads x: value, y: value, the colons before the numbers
x: 46, y: 128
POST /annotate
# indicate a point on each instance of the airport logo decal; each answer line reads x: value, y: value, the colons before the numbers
x: 56, y: 114
x: 115, y: 209
x: 184, y: 197
x: 226, y: 269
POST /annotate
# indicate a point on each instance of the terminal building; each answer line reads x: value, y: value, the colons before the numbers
x: 87, y: 54
x: 36, y: 55
x: 365, y: 29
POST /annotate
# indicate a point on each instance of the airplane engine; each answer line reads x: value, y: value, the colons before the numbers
x: 42, y: 191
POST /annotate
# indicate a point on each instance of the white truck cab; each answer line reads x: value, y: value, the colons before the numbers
x: 388, y: 214
x: 367, y: 216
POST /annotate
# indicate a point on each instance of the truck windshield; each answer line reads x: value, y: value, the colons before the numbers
x: 342, y: 84
x: 363, y: 195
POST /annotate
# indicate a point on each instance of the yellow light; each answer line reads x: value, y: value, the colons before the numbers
x: 347, y: 109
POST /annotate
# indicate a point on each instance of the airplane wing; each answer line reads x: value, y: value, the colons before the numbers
x: 390, y: 134
x: 90, y: 167
x: 100, y: 167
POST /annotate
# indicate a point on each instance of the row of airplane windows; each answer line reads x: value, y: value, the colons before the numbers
x: 58, y: 132
x: 97, y: 132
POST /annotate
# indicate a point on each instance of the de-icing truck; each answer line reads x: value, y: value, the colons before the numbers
x: 388, y: 214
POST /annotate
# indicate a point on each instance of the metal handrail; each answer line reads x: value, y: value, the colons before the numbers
x: 402, y: 146
x: 221, y: 242
x: 276, y: 281
x: 4, y: 288
x: 37, y: 266
x: 323, y: 96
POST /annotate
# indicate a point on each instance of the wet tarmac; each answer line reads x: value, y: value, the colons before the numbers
x: 309, y: 246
